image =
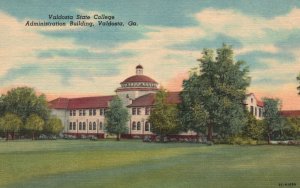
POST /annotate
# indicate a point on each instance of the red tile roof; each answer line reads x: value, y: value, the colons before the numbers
x: 145, y: 100
x: 290, y: 113
x: 59, y: 103
x: 81, y: 103
x: 260, y: 103
x: 173, y: 98
x: 139, y: 78
x: 149, y: 99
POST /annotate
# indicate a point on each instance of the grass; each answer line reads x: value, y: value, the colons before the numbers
x: 131, y: 163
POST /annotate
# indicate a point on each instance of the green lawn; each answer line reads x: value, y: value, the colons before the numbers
x: 131, y: 163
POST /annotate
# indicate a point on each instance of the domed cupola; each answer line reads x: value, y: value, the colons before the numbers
x: 137, y: 85
x: 139, y: 81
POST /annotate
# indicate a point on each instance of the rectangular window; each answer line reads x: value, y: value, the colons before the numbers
x: 70, y: 127
x: 83, y: 112
x: 71, y: 113
x: 94, y: 112
x: 138, y: 111
x: 74, y: 125
x: 101, y: 111
x: 133, y: 111
x: 147, y: 111
x: 80, y: 112
x: 74, y: 112
x: 252, y: 110
x: 255, y: 111
x: 90, y: 112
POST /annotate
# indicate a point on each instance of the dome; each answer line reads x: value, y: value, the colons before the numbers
x: 139, y: 78
x: 139, y: 67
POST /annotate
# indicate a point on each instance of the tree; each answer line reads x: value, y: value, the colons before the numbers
x: 191, y: 111
x: 34, y: 123
x: 116, y: 117
x: 272, y: 117
x: 10, y: 123
x: 292, y: 127
x: 219, y: 88
x: 254, y: 128
x: 53, y: 126
x: 163, y: 117
x: 298, y: 79
x: 23, y: 102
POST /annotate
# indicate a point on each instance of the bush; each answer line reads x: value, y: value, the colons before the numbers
x: 241, y: 141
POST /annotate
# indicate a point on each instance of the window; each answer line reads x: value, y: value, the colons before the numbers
x: 147, y: 110
x: 260, y: 112
x: 71, y: 113
x: 94, y: 126
x: 80, y: 126
x: 70, y: 127
x: 251, y: 100
x: 101, y: 111
x: 74, y: 125
x: 74, y: 112
x: 138, y: 111
x: 80, y: 112
x: 83, y: 126
x: 147, y: 126
x: 83, y: 112
x: 134, y: 125
x: 252, y: 110
x: 138, y: 127
x: 90, y: 126
x: 133, y: 111
x: 101, y: 126
x: 90, y: 112
x: 255, y: 111
x: 94, y: 112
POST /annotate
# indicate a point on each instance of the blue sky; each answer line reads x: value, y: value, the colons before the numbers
x: 78, y: 61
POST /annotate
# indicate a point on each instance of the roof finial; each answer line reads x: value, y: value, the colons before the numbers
x: 139, y: 69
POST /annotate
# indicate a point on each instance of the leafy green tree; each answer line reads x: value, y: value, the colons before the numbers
x: 164, y: 116
x: 116, y: 117
x: 292, y: 127
x: 10, y: 123
x: 272, y: 116
x: 23, y: 102
x: 191, y: 111
x: 34, y: 123
x: 298, y: 79
x: 219, y: 88
x: 254, y: 128
x: 53, y: 126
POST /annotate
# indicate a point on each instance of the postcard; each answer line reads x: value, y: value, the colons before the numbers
x: 148, y: 93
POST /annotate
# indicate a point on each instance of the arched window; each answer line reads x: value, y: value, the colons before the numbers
x: 74, y: 125
x: 147, y: 126
x: 90, y: 126
x: 80, y: 126
x: 134, y: 125
x: 138, y: 127
x: 94, y: 126
x: 100, y: 126
x: 83, y: 126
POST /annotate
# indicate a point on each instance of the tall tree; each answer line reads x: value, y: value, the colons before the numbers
x: 219, y: 87
x: 10, y: 123
x: 298, y: 79
x: 34, y: 123
x: 271, y: 115
x: 116, y: 117
x: 164, y: 116
x: 192, y: 114
x: 23, y: 102
x: 53, y: 126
